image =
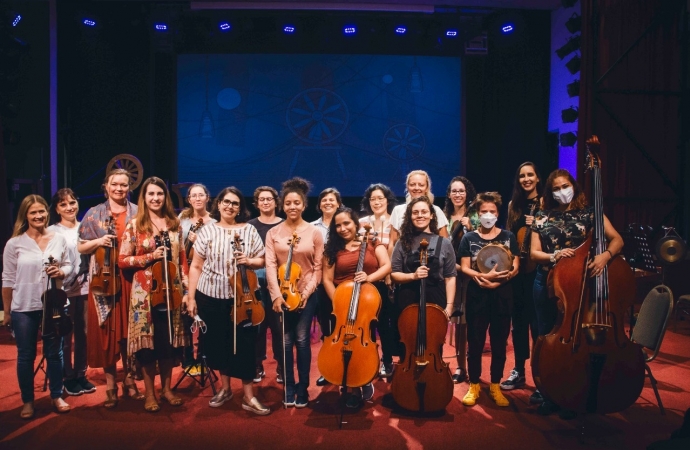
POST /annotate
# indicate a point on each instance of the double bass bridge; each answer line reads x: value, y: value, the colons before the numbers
x: 595, y: 333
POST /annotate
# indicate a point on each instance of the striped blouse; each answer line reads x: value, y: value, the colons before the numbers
x: 215, y: 245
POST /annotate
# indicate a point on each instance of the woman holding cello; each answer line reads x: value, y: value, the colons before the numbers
x: 524, y: 204
x: 300, y: 243
x: 99, y: 232
x: 342, y: 254
x: 212, y: 277
x: 151, y: 247
x: 25, y: 276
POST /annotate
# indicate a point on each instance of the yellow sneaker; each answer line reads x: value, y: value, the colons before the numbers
x: 470, y: 399
x: 496, y: 395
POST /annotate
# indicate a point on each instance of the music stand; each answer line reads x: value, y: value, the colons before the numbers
x: 637, y: 250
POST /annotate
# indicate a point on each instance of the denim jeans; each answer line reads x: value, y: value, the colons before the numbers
x: 546, y: 311
x: 26, y: 325
x: 297, y: 334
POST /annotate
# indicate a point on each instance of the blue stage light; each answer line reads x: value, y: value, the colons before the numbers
x: 507, y: 28
x: 350, y: 29
x: 161, y: 27
x: 288, y: 29
x: 16, y: 20
x: 224, y: 26
x: 401, y: 30
x: 89, y: 22
x: 451, y: 33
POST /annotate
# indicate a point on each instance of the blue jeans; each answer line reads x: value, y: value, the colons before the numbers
x: 297, y: 333
x: 25, y: 325
x: 546, y: 310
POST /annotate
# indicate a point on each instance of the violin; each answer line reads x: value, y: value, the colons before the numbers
x: 355, y: 306
x: 105, y: 276
x: 246, y: 288
x: 587, y: 363
x: 189, y: 245
x: 289, y: 274
x: 422, y: 381
x: 524, y: 237
x: 163, y: 273
x: 55, y: 317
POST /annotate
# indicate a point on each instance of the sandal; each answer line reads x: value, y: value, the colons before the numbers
x: 110, y: 398
x: 127, y: 390
x: 151, y: 404
x: 27, y: 411
x: 171, y: 398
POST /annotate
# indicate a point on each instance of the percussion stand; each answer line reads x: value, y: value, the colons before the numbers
x: 42, y: 366
x: 204, y: 374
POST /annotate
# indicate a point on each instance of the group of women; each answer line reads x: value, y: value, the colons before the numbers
x: 199, y: 250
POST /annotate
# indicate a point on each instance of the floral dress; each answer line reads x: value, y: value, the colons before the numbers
x: 136, y: 252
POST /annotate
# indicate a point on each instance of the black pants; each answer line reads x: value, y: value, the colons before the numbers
x: 324, y: 312
x: 387, y: 325
x: 272, y: 322
x: 524, y: 321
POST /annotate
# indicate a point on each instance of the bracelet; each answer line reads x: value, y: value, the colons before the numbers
x: 609, y: 253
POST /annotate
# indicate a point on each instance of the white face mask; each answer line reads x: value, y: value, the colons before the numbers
x: 488, y: 220
x: 564, y: 196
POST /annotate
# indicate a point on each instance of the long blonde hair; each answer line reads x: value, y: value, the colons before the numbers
x: 144, y: 223
x: 21, y: 224
x: 428, y: 184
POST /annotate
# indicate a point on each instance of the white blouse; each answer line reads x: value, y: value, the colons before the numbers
x: 70, y: 285
x: 24, y: 269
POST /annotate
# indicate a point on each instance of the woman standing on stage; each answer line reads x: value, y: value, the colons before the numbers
x: 25, y: 277
x: 526, y: 201
x: 149, y: 337
x: 457, y: 210
x: 211, y: 294
x: 378, y: 202
x: 308, y: 253
x: 63, y: 217
x: 342, y: 256
x: 489, y: 298
x: 266, y: 201
x: 558, y: 229
x: 108, y: 316
x: 198, y: 198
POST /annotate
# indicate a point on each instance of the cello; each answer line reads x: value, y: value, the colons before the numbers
x: 355, y: 306
x: 163, y: 273
x: 105, y: 278
x: 246, y: 288
x: 422, y: 381
x: 587, y: 363
x: 289, y: 274
x: 55, y: 317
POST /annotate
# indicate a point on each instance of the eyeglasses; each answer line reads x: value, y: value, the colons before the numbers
x: 197, y: 196
x: 230, y: 203
x: 421, y: 213
x: 265, y: 199
x: 457, y: 191
x: 377, y: 199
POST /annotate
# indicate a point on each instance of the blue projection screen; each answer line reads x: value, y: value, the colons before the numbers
x: 337, y: 120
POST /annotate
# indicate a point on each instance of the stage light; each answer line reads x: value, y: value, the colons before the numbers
x: 569, y: 115
x: 288, y: 29
x: 574, y: 24
x: 89, y: 22
x: 572, y: 45
x: 350, y: 29
x: 224, y: 26
x: 568, y: 139
x: 507, y: 28
x: 574, y: 64
x: 16, y: 20
x: 568, y: 3
x: 401, y: 30
x: 451, y: 33
x: 574, y: 89
x: 161, y: 27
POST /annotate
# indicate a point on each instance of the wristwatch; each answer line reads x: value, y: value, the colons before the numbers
x: 552, y: 258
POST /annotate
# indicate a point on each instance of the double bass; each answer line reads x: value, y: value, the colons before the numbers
x: 422, y: 381
x: 248, y: 308
x: 289, y: 274
x: 105, y: 277
x: 55, y: 317
x: 355, y: 306
x: 587, y: 363
x: 163, y: 274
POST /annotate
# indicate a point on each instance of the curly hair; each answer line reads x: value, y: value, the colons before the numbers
x: 335, y: 243
x: 408, y: 230
x: 579, y: 201
x: 273, y: 192
x: 519, y: 198
x: 242, y: 213
x: 298, y: 185
x: 59, y: 196
x: 470, y: 194
x: 387, y: 192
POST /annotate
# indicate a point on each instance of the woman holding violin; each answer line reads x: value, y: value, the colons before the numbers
x: 25, y: 278
x: 212, y: 278
x: 524, y: 204
x: 192, y: 219
x: 299, y: 243
x: 108, y: 313
x: 151, y: 248
x: 558, y: 229
x: 342, y: 254
x: 489, y: 296
x: 63, y: 217
x: 457, y: 210
x: 378, y: 203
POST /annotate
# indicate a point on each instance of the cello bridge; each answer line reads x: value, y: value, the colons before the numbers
x: 421, y: 364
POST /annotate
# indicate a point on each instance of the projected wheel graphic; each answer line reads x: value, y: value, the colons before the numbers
x: 317, y: 116
x: 403, y: 143
x: 131, y: 164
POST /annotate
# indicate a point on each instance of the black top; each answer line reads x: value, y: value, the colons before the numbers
x: 263, y: 228
x: 471, y: 244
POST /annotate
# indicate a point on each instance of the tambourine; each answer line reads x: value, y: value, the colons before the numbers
x: 494, y: 254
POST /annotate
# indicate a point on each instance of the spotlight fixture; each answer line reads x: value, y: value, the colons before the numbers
x: 350, y: 29
x: 452, y: 33
x: 16, y: 20
x: 568, y: 139
x: 574, y: 24
x: 224, y: 26
x: 507, y: 28
x: 288, y: 29
x: 400, y: 30
x: 160, y: 27
x: 572, y: 45
x: 568, y: 3
x: 89, y: 22
x: 569, y: 115
x: 574, y: 64
x: 574, y: 89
